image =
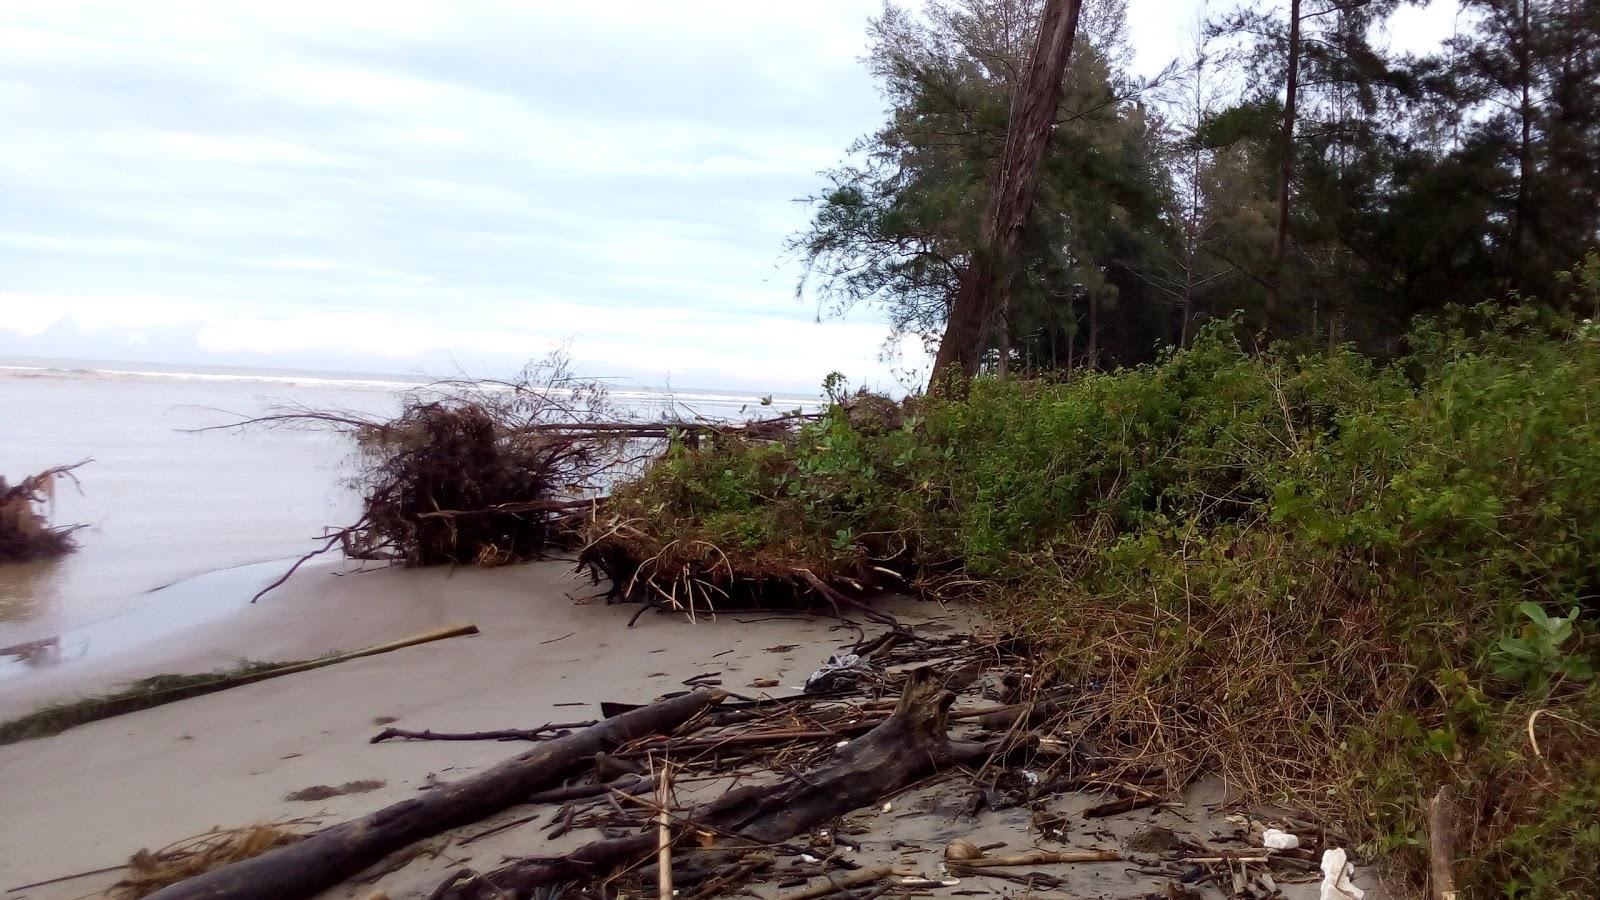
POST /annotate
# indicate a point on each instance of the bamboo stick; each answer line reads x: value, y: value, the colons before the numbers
x: 1037, y: 858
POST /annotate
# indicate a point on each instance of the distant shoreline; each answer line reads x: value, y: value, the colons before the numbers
x: 25, y: 367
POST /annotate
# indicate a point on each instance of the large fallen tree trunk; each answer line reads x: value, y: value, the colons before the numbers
x: 334, y: 854
x: 905, y: 749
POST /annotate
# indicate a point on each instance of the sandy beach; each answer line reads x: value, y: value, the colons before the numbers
x: 89, y: 797
x: 86, y: 799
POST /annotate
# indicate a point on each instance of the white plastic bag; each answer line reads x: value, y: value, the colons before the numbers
x: 1277, y: 839
x: 1336, y: 874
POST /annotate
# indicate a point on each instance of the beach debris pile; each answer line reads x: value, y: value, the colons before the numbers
x: 25, y: 531
x: 890, y: 782
x: 489, y: 473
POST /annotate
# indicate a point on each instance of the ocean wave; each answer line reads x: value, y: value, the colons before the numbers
x: 289, y: 379
x: 628, y: 396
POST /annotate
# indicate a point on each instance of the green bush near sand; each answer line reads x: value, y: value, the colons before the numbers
x: 1334, y: 581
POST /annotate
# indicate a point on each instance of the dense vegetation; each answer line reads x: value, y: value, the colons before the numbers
x: 1469, y: 173
x: 1335, y: 580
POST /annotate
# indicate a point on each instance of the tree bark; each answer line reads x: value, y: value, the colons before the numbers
x: 987, y: 280
x: 1525, y: 146
x: 334, y: 854
x: 906, y: 748
x: 1442, y: 845
x: 1093, y: 352
x: 1280, y: 241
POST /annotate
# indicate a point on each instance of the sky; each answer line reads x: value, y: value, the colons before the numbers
x: 454, y: 186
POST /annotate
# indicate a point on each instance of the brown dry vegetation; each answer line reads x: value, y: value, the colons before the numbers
x: 25, y: 533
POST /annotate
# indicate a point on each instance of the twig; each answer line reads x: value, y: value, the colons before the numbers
x: 497, y: 829
x: 854, y: 879
x: 449, y: 882
x: 543, y: 732
x: 1037, y: 858
x: 1126, y: 804
x: 630, y: 784
x: 747, y: 867
x: 562, y: 822
x: 57, y: 880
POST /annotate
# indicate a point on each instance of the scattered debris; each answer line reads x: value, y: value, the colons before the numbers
x: 837, y: 673
x: 771, y: 780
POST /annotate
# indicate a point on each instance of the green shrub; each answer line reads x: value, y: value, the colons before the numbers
x: 1337, y: 582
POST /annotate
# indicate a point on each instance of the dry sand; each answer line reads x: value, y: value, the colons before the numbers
x: 90, y: 797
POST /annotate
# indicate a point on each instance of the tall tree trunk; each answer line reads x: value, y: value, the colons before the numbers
x: 1191, y: 238
x: 1525, y: 149
x: 1003, y: 367
x: 988, y: 279
x: 1072, y: 336
x: 1280, y: 242
x: 1094, y: 331
x: 1188, y: 304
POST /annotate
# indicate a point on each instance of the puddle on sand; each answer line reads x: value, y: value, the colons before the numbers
x: 164, y: 611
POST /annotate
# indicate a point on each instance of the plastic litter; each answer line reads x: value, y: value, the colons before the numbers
x: 1278, y: 839
x: 1336, y: 874
x: 840, y: 671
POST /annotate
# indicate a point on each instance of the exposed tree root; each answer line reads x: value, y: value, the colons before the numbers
x: 25, y: 533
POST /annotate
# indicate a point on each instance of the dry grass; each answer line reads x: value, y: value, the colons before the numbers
x: 1257, y: 690
x: 150, y: 871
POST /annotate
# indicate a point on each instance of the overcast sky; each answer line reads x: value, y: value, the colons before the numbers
x: 394, y: 186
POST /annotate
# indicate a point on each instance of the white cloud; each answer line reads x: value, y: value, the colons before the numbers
x: 403, y: 181
x: 397, y: 181
x: 751, y: 350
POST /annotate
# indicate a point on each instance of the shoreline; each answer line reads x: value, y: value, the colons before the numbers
x: 120, y: 641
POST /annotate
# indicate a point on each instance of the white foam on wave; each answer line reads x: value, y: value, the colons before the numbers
x: 289, y: 379
x: 627, y: 396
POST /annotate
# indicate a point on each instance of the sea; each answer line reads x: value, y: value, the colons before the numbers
x: 182, y: 524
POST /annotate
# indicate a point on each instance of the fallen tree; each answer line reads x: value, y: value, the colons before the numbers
x: 302, y: 869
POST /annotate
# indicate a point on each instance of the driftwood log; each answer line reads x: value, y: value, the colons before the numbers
x: 905, y: 749
x: 334, y: 854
